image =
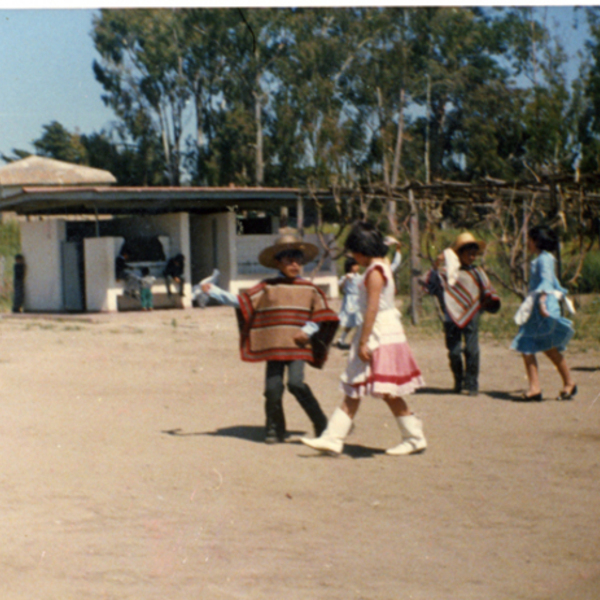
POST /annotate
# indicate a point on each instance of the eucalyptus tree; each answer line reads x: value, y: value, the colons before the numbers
x: 538, y: 60
x: 142, y: 74
x: 455, y: 51
x: 588, y: 98
x: 325, y: 128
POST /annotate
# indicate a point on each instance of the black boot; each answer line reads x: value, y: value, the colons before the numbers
x: 275, y: 423
x: 311, y: 407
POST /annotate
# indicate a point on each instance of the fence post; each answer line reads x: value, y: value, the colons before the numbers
x: 415, y: 261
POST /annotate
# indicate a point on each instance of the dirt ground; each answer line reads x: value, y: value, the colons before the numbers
x: 133, y: 468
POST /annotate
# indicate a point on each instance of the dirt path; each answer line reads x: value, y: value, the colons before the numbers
x: 133, y: 469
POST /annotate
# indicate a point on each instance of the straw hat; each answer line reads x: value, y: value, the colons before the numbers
x: 389, y: 240
x: 287, y: 241
x: 467, y: 238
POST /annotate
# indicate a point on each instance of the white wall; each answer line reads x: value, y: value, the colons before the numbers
x: 101, y: 288
x: 213, y: 245
x: 41, y: 247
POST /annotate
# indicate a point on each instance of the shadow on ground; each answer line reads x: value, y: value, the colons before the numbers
x: 251, y: 433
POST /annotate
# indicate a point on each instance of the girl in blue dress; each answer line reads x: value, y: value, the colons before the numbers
x: 349, y: 314
x: 543, y: 328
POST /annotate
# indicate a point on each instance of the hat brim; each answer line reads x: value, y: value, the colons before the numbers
x: 267, y: 257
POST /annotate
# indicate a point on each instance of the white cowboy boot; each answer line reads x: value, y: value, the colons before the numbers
x: 413, y: 440
x: 332, y: 439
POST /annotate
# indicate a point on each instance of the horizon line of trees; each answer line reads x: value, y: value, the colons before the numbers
x: 320, y: 97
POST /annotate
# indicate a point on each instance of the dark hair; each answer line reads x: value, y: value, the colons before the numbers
x: 291, y: 253
x: 367, y: 240
x: 467, y: 247
x: 145, y: 271
x: 544, y: 238
x: 348, y: 264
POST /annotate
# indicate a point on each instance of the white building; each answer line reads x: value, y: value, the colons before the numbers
x: 71, y: 236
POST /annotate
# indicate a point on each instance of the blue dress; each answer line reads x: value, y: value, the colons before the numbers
x: 350, y: 315
x: 540, y: 333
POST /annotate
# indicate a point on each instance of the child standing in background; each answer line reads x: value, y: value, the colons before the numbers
x: 146, y: 283
x: 350, y: 312
x: 19, y: 271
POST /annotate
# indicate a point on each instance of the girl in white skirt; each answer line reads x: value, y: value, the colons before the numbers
x: 381, y: 363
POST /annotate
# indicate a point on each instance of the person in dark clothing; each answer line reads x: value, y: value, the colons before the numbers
x: 173, y: 273
x: 19, y: 284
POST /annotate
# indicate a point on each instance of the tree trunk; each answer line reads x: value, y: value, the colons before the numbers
x: 399, y: 139
x: 382, y: 136
x: 428, y: 118
x: 415, y: 262
x: 259, y: 140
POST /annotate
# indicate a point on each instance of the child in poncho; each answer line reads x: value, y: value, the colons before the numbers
x: 285, y: 321
x: 463, y: 291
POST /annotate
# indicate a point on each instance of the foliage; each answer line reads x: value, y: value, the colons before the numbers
x: 10, y: 244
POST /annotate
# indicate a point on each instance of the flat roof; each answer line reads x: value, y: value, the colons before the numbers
x: 110, y: 200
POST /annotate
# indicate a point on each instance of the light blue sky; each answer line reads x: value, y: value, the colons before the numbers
x: 46, y: 75
x: 46, y: 71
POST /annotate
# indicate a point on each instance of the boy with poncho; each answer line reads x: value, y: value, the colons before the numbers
x: 285, y: 321
x: 463, y: 291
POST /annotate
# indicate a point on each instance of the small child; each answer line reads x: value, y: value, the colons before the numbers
x: 463, y: 290
x: 381, y: 363
x: 349, y: 313
x: 19, y: 271
x: 285, y: 321
x: 146, y: 282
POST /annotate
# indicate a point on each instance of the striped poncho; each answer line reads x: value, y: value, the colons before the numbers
x: 471, y: 292
x: 275, y: 310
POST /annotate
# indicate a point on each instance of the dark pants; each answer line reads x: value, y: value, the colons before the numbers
x: 170, y: 279
x: 18, y: 296
x: 464, y: 377
x: 274, y: 389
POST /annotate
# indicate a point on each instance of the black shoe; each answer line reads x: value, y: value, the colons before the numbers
x: 273, y: 437
x: 568, y: 395
x: 320, y: 426
x: 473, y: 393
x: 533, y: 398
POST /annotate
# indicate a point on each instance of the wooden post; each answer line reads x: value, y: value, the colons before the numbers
x: 283, y: 217
x: 415, y: 261
x: 300, y: 215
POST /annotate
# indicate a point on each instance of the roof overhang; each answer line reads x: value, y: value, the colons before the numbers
x: 105, y: 200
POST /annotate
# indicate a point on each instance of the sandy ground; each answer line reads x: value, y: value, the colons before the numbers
x: 133, y: 468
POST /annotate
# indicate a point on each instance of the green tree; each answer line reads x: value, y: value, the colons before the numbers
x: 56, y: 142
x: 142, y: 74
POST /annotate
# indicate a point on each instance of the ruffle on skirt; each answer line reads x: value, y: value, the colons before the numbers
x: 392, y: 370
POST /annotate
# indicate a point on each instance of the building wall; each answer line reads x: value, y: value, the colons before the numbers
x: 41, y: 246
x: 213, y: 246
x: 100, y: 285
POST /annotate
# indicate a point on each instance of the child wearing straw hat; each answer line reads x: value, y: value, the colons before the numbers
x: 286, y: 321
x: 463, y: 290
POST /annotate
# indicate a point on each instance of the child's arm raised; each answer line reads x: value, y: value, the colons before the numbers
x: 374, y: 284
x: 220, y: 295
